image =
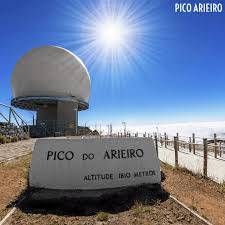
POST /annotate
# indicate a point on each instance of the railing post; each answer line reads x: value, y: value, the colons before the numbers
x: 220, y: 150
x: 193, y: 141
x: 205, y: 157
x: 215, y: 147
x: 176, y: 151
x: 189, y: 144
x: 165, y: 140
x: 156, y: 145
x: 10, y: 112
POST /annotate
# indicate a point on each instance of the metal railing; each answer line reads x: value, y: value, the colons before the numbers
x: 216, y: 146
x: 10, y: 116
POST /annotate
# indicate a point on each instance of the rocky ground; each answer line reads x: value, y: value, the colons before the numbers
x: 157, y: 213
x: 13, y: 181
x: 202, y: 195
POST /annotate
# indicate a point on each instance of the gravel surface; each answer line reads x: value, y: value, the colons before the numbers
x: 204, y: 196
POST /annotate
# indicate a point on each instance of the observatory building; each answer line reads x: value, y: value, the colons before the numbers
x: 53, y: 82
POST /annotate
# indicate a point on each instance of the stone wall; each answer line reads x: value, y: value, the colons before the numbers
x: 10, y: 130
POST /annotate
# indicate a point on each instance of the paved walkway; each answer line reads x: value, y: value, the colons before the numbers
x: 16, y: 149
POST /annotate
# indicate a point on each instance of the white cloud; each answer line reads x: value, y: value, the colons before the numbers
x: 201, y: 129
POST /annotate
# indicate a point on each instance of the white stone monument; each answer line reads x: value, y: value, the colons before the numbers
x: 93, y: 163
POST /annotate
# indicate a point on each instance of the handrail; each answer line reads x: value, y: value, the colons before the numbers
x: 13, y: 114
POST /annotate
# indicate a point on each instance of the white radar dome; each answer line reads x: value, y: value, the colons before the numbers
x: 50, y: 71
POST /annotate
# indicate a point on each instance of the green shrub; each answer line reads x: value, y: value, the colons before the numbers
x: 8, y: 140
x: 137, y: 209
x: 102, y: 216
x: 14, y: 139
x: 26, y: 137
x: 222, y: 187
x: 2, y: 139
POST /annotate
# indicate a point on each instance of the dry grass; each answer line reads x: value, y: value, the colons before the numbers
x: 186, y: 171
x: 5, y: 140
x: 139, y: 208
x: 2, y: 139
x: 222, y: 187
x: 22, y: 163
x: 102, y: 216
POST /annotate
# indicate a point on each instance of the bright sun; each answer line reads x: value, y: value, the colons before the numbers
x: 111, y: 34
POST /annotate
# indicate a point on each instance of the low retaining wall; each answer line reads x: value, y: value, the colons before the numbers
x: 194, y: 163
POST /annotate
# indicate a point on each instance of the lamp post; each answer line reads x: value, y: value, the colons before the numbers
x: 125, y: 128
x: 157, y: 131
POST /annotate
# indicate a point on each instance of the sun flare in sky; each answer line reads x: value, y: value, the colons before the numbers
x: 114, y: 36
x: 111, y: 36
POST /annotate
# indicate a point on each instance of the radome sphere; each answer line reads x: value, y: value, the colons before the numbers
x: 50, y: 71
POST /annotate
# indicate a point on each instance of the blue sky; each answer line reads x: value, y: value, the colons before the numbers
x: 176, y: 74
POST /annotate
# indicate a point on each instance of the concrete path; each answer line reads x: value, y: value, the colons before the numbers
x: 16, y: 149
x: 194, y: 162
